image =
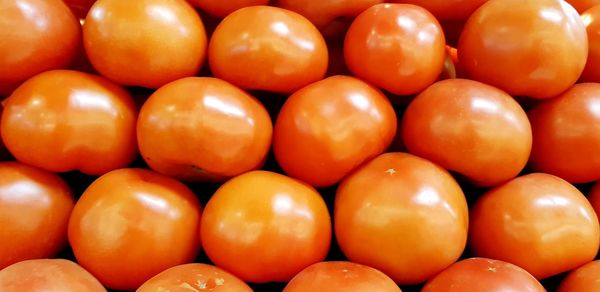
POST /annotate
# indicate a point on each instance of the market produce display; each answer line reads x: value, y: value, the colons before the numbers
x: 299, y: 145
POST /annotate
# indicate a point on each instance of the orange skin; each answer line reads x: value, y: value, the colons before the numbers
x: 341, y: 277
x: 131, y: 224
x: 330, y: 17
x: 66, y: 120
x: 203, y: 128
x: 197, y: 276
x: 145, y: 43
x: 267, y: 48
x: 400, y: 57
x: 37, y: 35
x: 584, y: 278
x: 591, y: 19
x: 402, y: 215
x: 582, y: 5
x: 512, y: 45
x: 35, y: 206
x: 489, y: 144
x: 330, y: 127
x: 48, y: 275
x: 224, y: 8
x: 537, y: 221
x: 481, y: 274
x: 265, y: 227
x: 566, y: 134
x: 447, y: 9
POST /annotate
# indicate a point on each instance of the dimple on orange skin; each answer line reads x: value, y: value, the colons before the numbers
x: 516, y: 46
x: 339, y: 276
x: 537, y: 221
x: 35, y: 206
x: 320, y: 140
x: 397, y: 47
x: 195, y: 276
x: 48, y: 275
x: 482, y: 274
x: 566, y: 134
x: 489, y: 142
x: 402, y: 215
x: 65, y: 120
x: 144, y: 43
x: 37, y: 35
x: 203, y: 128
x: 131, y: 224
x: 265, y: 227
x: 267, y: 48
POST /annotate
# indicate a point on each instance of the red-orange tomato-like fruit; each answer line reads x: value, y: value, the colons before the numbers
x: 527, y: 48
x: 35, y: 206
x: 329, y: 16
x: 66, y: 120
x: 538, y: 222
x: 131, y: 224
x: 194, y: 277
x: 566, y: 134
x: 471, y: 128
x: 447, y: 9
x: 48, y: 275
x: 224, y: 8
x: 265, y: 227
x: 583, y: 5
x: 144, y: 42
x: 398, y: 47
x: 591, y: 19
x: 584, y: 278
x: 37, y: 35
x: 330, y: 127
x: 341, y: 277
x: 202, y: 128
x: 402, y: 215
x: 267, y: 48
x: 481, y: 274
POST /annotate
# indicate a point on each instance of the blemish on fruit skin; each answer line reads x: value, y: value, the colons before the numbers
x: 201, y: 285
x: 391, y: 171
x: 186, y: 285
x: 220, y: 281
x: 491, y: 269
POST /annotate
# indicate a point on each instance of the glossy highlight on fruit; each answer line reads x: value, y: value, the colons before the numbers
x: 203, y: 128
x: 131, y: 224
x: 267, y: 48
x: 150, y: 42
x: 48, y: 275
x: 538, y: 222
x: 397, y: 47
x: 276, y: 224
x: 469, y: 127
x: 402, y: 215
x: 195, y: 277
x: 533, y: 48
x: 64, y: 120
x: 330, y: 127
x: 35, y: 206
x: 37, y: 35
